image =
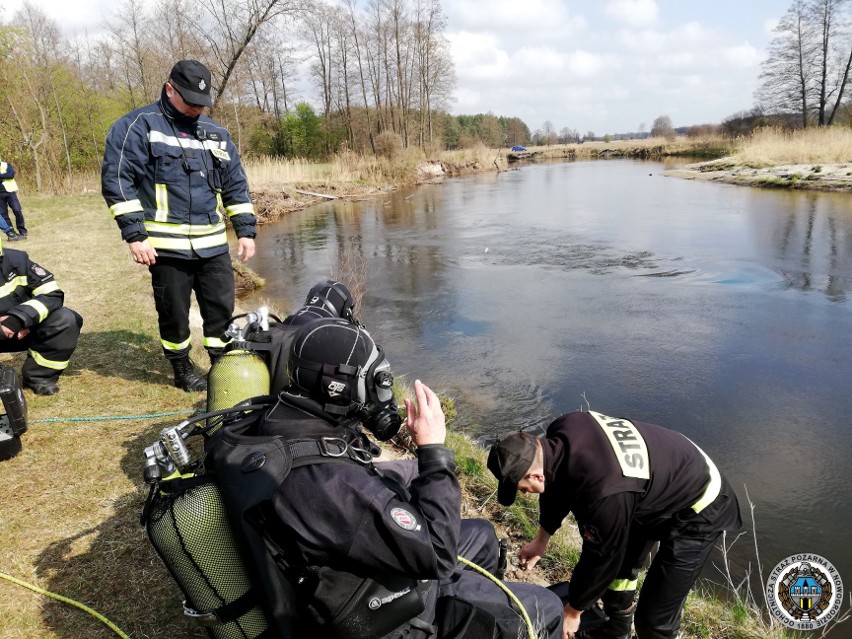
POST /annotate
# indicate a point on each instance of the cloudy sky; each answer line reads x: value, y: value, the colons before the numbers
x: 606, y: 66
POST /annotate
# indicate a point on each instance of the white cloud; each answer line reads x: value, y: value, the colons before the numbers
x: 537, y: 61
x: 635, y: 13
x: 587, y: 64
x: 478, y: 56
x: 742, y: 56
x: 544, y: 20
x: 72, y: 18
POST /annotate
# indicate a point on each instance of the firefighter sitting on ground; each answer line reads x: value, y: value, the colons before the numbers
x: 33, y: 319
x: 378, y: 540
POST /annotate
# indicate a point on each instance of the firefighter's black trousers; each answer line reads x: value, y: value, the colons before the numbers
x: 11, y: 201
x: 673, y: 572
x: 49, y: 345
x: 174, y: 280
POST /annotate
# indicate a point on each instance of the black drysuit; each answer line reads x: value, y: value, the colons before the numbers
x: 390, y: 522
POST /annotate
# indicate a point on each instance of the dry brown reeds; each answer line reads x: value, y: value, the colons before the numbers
x: 773, y: 146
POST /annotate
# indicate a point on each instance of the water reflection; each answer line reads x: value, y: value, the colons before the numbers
x: 813, y: 253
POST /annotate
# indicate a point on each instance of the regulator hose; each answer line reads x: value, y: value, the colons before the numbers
x: 505, y: 588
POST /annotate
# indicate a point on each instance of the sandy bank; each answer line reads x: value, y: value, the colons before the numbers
x: 820, y: 177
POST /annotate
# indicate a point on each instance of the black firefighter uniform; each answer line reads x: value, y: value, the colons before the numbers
x: 31, y: 299
x: 174, y: 180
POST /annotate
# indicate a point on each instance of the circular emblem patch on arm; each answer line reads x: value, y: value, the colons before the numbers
x: 404, y: 519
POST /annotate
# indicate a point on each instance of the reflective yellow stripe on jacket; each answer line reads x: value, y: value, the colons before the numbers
x: 10, y: 185
x: 9, y: 287
x: 714, y: 485
x: 185, y: 237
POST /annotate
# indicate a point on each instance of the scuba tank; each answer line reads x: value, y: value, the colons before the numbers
x: 240, y: 373
x: 187, y: 523
x: 254, y: 362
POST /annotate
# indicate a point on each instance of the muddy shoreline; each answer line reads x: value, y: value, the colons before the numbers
x: 816, y: 177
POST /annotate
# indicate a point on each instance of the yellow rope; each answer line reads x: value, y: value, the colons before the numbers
x: 505, y: 588
x: 118, y: 631
x: 71, y: 602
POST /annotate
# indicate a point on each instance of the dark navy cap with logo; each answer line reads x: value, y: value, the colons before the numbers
x: 509, y: 461
x: 191, y: 79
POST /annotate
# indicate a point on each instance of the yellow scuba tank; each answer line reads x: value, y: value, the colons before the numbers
x: 240, y: 373
x: 188, y: 525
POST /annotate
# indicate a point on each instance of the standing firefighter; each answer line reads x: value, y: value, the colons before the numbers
x: 169, y: 174
x: 629, y: 485
x: 33, y: 319
x: 9, y: 200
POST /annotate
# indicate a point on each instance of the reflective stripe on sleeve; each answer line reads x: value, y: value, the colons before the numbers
x: 38, y: 307
x: 236, y: 209
x: 122, y: 208
x: 46, y: 288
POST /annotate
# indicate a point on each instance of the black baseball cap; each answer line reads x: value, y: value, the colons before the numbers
x: 509, y: 461
x: 191, y: 79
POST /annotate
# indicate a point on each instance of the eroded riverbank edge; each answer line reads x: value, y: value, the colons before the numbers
x: 811, y: 176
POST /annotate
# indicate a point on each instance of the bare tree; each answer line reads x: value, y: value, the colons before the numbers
x: 662, y: 128
x: 132, y: 41
x: 826, y: 16
x: 787, y: 76
x: 231, y: 27
x: 809, y: 62
x: 29, y: 54
x: 435, y: 69
x: 318, y: 26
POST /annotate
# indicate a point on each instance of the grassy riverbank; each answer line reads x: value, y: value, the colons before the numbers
x: 813, y: 159
x: 71, y: 497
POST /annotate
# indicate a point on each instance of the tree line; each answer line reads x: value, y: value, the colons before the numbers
x: 296, y: 78
x: 807, y: 70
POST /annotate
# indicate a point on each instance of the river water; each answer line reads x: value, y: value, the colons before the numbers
x: 720, y: 311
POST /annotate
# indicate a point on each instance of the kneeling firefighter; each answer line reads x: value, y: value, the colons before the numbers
x: 337, y: 545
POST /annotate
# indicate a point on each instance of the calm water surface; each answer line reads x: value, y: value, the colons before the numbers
x: 720, y: 311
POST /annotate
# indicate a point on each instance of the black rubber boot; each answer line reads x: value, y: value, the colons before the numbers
x: 618, y: 627
x: 186, y: 377
x: 42, y: 386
